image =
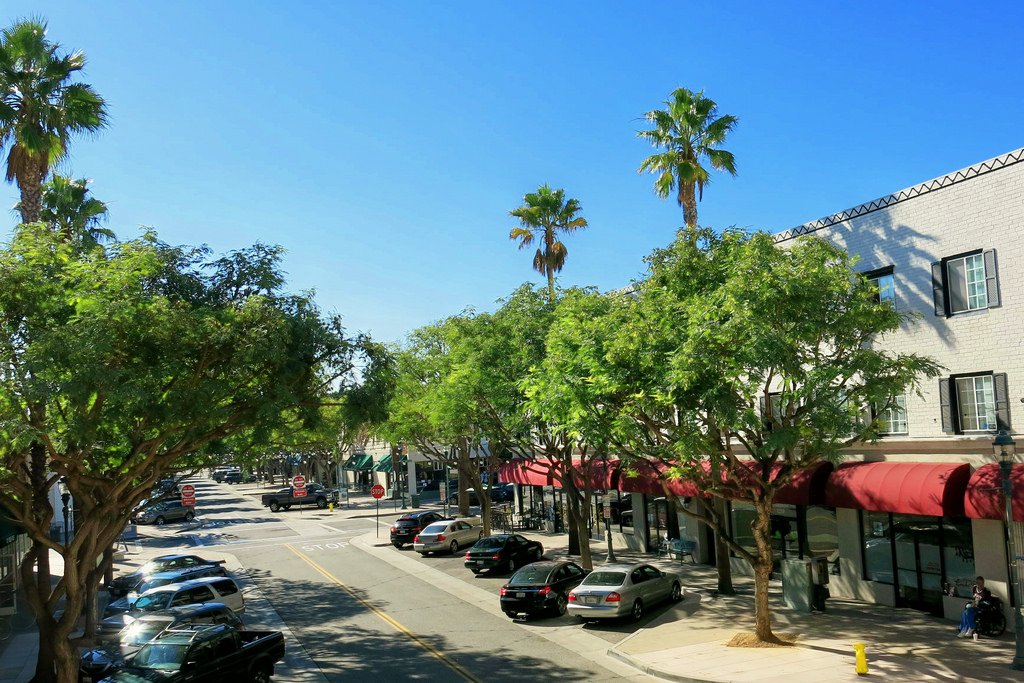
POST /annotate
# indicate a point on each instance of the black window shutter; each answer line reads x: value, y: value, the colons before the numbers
x: 1002, y: 401
x: 991, y: 281
x: 945, y: 405
x: 939, y: 287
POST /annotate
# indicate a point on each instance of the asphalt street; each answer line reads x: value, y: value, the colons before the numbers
x: 349, y: 614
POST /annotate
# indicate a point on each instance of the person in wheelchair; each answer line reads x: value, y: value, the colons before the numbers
x: 983, y: 614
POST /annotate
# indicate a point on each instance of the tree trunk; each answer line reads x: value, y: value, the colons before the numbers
x: 722, y: 562
x: 688, y: 200
x: 31, y: 187
x: 463, y: 467
x: 586, y: 557
x: 763, y: 571
x: 551, y: 286
x: 67, y: 661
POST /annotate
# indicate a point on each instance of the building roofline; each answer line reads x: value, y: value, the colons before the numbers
x: 964, y: 174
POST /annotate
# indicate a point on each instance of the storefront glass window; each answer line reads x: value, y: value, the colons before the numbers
x: 823, y: 535
x: 877, y: 546
x: 958, y: 553
x: 626, y: 512
x: 741, y: 518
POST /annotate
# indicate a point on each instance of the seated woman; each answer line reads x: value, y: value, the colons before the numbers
x: 968, y: 620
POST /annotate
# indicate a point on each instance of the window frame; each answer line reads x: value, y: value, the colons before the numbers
x: 949, y: 402
x: 906, y: 419
x: 877, y: 274
x: 941, y: 291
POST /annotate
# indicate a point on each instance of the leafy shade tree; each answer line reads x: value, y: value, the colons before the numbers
x: 722, y: 326
x: 71, y: 211
x: 690, y: 131
x: 543, y: 215
x: 41, y: 108
x: 129, y: 362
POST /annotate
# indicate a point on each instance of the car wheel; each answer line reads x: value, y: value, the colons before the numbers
x: 474, y: 570
x: 511, y: 564
x: 538, y: 553
x: 396, y: 544
x: 454, y: 547
x: 561, y: 604
x: 638, y: 610
x: 510, y: 615
x: 481, y: 535
x: 321, y: 503
x: 275, y: 506
x: 160, y: 521
x: 189, y: 516
x: 677, y: 592
x: 260, y: 674
x: 287, y: 507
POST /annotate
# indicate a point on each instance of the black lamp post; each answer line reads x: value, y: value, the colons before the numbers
x: 66, y: 498
x: 1004, y: 447
x: 608, y: 525
x: 398, y: 468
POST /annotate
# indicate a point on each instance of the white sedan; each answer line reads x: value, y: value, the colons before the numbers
x: 448, y: 534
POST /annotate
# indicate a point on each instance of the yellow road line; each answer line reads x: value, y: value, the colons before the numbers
x: 452, y: 664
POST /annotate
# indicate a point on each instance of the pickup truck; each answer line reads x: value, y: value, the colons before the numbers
x: 204, y: 653
x: 316, y: 494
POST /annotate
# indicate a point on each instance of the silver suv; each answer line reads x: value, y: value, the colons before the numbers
x: 163, y: 512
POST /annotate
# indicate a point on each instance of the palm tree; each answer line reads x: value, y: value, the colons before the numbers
x: 40, y: 108
x: 690, y: 130
x: 68, y: 209
x: 549, y: 211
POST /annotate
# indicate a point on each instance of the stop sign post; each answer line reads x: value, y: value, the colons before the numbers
x: 377, y: 491
x: 188, y: 495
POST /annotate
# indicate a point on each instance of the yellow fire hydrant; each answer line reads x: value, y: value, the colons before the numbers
x: 862, y: 659
x: 330, y: 507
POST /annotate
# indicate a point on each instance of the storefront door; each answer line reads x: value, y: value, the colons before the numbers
x: 919, y: 563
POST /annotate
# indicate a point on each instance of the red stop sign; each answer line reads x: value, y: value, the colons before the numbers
x: 377, y: 491
x: 299, y: 481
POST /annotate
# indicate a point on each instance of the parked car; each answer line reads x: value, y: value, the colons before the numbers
x: 220, y: 472
x: 449, y: 534
x: 316, y: 494
x: 163, y: 579
x: 163, y: 512
x: 211, y: 589
x: 500, y: 493
x: 541, y: 587
x: 125, y: 583
x: 406, y: 527
x: 619, y: 590
x: 503, y: 552
x: 205, y: 653
x: 233, y: 477
x: 126, y: 640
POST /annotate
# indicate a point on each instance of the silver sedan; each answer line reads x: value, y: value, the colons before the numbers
x: 620, y: 590
x: 449, y: 534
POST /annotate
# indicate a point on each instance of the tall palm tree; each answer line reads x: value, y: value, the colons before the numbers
x: 40, y: 108
x: 68, y: 209
x: 545, y: 213
x: 690, y: 131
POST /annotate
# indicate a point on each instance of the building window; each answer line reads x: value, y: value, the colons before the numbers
x: 893, y: 418
x: 977, y: 402
x: 876, y: 529
x: 884, y: 282
x: 965, y: 282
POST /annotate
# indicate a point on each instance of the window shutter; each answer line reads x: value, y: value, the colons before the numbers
x: 991, y: 281
x: 939, y: 288
x: 763, y: 407
x: 945, y: 405
x: 1002, y: 401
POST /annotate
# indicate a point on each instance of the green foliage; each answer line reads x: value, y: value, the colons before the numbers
x: 68, y: 209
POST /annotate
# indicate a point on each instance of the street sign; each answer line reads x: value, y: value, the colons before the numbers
x: 299, y: 481
x: 188, y: 502
x: 607, y: 510
x: 188, y: 491
x: 299, y: 493
x: 377, y: 491
x: 442, y: 488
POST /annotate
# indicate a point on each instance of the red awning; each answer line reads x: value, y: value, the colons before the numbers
x: 600, y: 474
x: 910, y: 488
x: 985, y: 499
x: 806, y: 488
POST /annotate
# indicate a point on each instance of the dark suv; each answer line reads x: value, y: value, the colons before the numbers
x: 407, y: 526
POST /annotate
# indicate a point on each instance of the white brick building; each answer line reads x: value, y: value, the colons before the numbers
x: 952, y: 251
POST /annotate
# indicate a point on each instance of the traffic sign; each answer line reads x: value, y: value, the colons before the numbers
x: 299, y: 493
x: 188, y: 491
x: 377, y: 491
x: 188, y: 502
x: 299, y: 481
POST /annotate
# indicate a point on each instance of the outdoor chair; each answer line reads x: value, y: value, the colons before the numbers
x: 680, y: 548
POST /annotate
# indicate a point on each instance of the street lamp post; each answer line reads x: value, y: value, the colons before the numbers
x: 398, y: 468
x: 1004, y: 448
x: 608, y: 525
x: 65, y: 496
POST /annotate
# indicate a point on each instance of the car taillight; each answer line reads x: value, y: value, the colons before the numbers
x: 394, y: 529
x: 416, y: 538
x: 504, y: 589
x: 545, y: 590
x: 496, y: 556
x: 613, y: 597
x: 572, y: 597
x: 440, y: 537
x: 467, y: 557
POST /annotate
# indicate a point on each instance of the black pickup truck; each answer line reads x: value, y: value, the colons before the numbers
x: 204, y: 653
x: 316, y: 494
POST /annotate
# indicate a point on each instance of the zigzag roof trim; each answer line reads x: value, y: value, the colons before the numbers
x: 960, y: 176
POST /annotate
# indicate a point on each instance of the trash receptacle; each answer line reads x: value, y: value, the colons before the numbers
x: 819, y: 581
x: 797, y: 586
x: 415, y: 500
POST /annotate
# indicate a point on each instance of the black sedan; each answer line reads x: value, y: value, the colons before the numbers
x: 406, y: 527
x: 541, y: 587
x: 503, y: 552
x: 126, y: 583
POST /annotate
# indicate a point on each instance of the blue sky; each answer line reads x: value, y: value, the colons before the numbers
x: 383, y: 144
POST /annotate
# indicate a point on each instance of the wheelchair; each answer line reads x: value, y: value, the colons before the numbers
x: 989, y: 618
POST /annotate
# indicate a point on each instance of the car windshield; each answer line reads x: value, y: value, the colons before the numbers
x: 490, y: 543
x: 600, y: 578
x: 529, y: 575
x: 141, y: 633
x: 151, y: 602
x: 164, y: 656
x: 436, y: 528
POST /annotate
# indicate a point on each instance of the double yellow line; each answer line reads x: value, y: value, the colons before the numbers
x: 449, y: 662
